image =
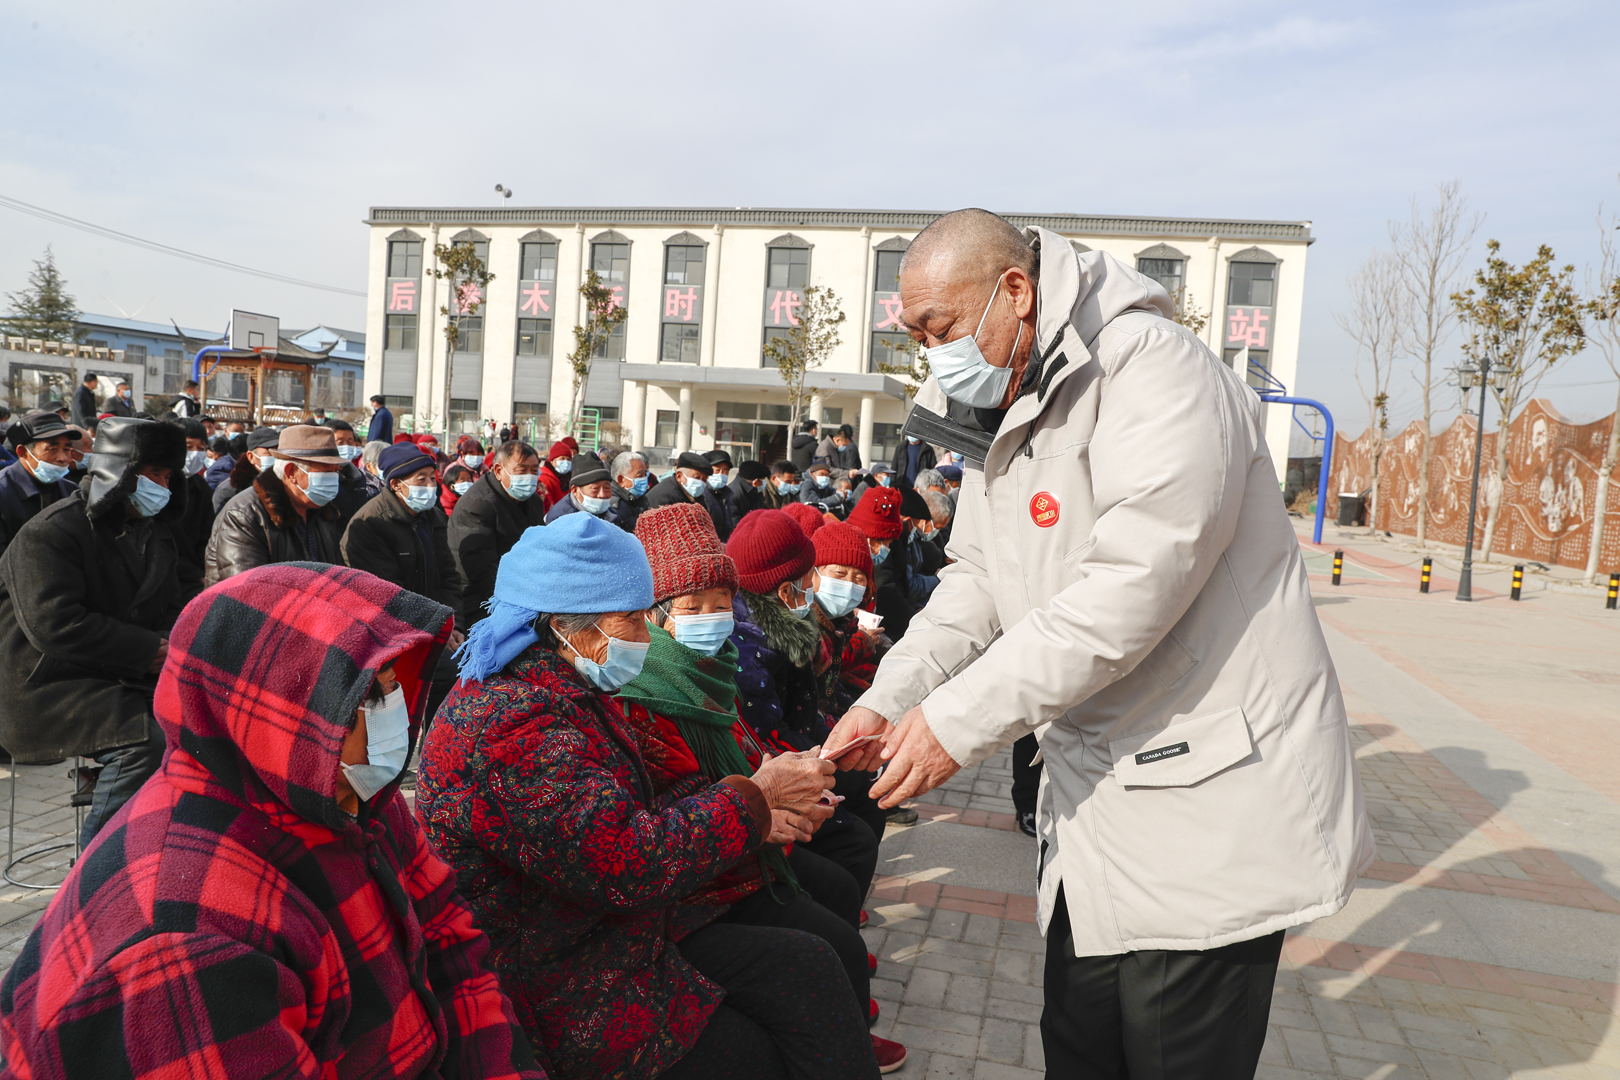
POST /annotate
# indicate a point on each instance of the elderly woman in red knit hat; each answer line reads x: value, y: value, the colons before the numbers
x: 554, y: 471
x: 683, y: 705
x: 877, y: 517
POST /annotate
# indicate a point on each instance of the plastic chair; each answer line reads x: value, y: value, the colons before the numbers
x: 84, y: 778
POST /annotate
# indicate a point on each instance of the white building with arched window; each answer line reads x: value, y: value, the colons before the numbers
x: 704, y: 290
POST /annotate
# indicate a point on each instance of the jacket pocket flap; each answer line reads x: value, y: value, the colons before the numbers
x: 1185, y: 753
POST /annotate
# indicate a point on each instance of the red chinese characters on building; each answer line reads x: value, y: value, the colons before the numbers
x: 784, y: 307
x: 680, y: 306
x: 1248, y: 327
x: 617, y: 292
x: 889, y: 317
x: 402, y: 297
x: 468, y: 296
x: 535, y: 297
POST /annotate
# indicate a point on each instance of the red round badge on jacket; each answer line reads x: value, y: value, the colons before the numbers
x: 1043, y: 510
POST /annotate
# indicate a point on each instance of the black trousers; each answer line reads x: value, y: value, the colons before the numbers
x: 1026, y: 777
x: 829, y: 907
x: 123, y: 771
x: 847, y: 840
x: 1157, y: 1015
x: 788, y: 1013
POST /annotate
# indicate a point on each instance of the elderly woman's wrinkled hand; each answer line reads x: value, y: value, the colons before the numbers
x: 794, y: 781
x: 788, y: 827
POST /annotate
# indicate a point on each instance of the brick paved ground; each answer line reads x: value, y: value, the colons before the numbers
x: 1483, y: 943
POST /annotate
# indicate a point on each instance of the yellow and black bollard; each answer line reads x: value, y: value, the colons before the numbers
x: 1614, y: 592
x: 1518, y: 583
x: 1423, y: 582
x: 1338, y: 567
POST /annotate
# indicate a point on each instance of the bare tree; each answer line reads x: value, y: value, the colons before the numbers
x: 1430, y: 248
x: 1523, y: 319
x: 1376, y: 322
x: 1603, y: 309
x: 469, y: 280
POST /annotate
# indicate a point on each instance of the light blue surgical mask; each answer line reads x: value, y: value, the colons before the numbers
x: 838, y: 597
x: 621, y: 665
x: 809, y: 602
x: 717, y: 481
x: 461, y: 487
x: 705, y: 634
x: 388, y: 741
x: 563, y: 465
x: 472, y: 461
x: 196, y: 461
x: 350, y: 453
x: 523, y: 486
x: 148, y: 497
x: 47, y: 473
x: 787, y: 487
x: 638, y: 486
x: 880, y: 554
x: 323, y: 487
x: 822, y: 480
x: 883, y: 479
x: 963, y: 372
x: 418, y: 499
x: 694, y: 485
x: 594, y: 506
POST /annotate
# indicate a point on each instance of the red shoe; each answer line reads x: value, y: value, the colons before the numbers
x: 865, y: 918
x: 871, y: 963
x: 872, y: 1012
x: 890, y: 1055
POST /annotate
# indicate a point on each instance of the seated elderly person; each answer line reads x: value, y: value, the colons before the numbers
x: 590, y: 491
x: 265, y: 905
x: 531, y: 786
x: 683, y: 705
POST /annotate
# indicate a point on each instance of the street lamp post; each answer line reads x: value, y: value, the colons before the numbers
x: 1468, y: 377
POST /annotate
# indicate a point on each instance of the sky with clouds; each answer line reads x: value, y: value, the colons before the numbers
x: 260, y: 133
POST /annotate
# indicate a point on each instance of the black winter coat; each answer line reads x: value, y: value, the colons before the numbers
x: 668, y: 492
x: 84, y: 604
x: 84, y: 407
x: 486, y: 523
x: 719, y: 507
x: 192, y: 532
x: 406, y: 549
x: 803, y: 450
x: 259, y: 526
x: 22, y: 497
x: 744, y: 498
x: 243, y: 473
x: 926, y: 459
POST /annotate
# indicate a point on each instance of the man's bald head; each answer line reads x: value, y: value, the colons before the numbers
x: 968, y: 246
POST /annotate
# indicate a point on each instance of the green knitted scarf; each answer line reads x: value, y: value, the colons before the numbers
x: 699, y: 693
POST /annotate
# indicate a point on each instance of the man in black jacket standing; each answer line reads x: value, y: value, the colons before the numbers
x: 803, y: 450
x: 38, y: 478
x: 85, y: 409
x: 491, y: 517
x: 88, y: 593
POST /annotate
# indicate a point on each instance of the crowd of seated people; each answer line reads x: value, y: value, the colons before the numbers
x: 626, y: 856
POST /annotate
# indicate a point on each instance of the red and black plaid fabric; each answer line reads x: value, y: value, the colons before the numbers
x: 230, y: 921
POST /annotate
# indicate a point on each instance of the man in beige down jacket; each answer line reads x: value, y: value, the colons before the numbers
x: 1127, y: 586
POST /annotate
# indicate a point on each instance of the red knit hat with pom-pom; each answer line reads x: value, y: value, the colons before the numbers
x: 878, y: 514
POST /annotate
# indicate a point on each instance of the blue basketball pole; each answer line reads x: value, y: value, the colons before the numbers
x: 1327, y: 453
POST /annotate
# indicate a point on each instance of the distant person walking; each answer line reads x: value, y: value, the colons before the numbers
x: 382, y: 422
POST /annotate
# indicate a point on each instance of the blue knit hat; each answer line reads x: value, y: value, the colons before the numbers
x: 579, y: 564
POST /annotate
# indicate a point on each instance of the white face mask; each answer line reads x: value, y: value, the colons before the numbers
x: 196, y: 461
x: 350, y: 453
x: 963, y: 372
x: 388, y: 738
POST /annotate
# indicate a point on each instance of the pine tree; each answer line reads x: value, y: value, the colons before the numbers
x: 44, y: 310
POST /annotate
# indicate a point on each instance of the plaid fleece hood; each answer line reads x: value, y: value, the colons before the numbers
x: 230, y: 920
x: 267, y: 669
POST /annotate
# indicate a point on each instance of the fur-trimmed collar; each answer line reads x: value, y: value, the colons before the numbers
x: 272, y: 493
x: 244, y: 472
x: 794, y: 638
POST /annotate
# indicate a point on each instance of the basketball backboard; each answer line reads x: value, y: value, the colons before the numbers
x: 250, y: 331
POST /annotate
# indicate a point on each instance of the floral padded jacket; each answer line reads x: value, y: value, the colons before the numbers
x: 532, y: 787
